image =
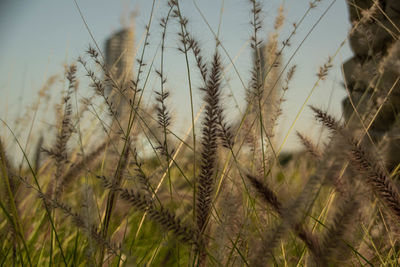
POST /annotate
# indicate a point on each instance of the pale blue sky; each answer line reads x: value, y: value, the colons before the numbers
x: 38, y: 37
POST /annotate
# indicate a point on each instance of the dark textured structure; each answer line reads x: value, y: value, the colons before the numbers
x: 371, y: 75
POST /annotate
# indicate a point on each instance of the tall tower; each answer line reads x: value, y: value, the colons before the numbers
x: 119, y: 53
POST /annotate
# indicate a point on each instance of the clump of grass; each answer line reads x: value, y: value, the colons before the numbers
x: 161, y: 215
x: 60, y: 152
x: 228, y: 200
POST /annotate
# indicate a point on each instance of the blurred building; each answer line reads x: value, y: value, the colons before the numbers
x: 119, y: 53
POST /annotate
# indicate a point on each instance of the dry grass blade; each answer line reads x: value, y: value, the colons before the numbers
x: 59, y: 152
x: 206, y: 179
x: 80, y: 222
x: 162, y: 216
x: 271, y: 199
x: 332, y: 244
x: 209, y: 143
x: 326, y: 119
x: 308, y: 144
x: 266, y: 193
x: 78, y: 167
x: 378, y: 179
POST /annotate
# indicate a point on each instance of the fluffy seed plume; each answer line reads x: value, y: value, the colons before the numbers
x: 209, y: 143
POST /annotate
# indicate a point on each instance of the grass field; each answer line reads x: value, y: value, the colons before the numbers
x: 112, y: 184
